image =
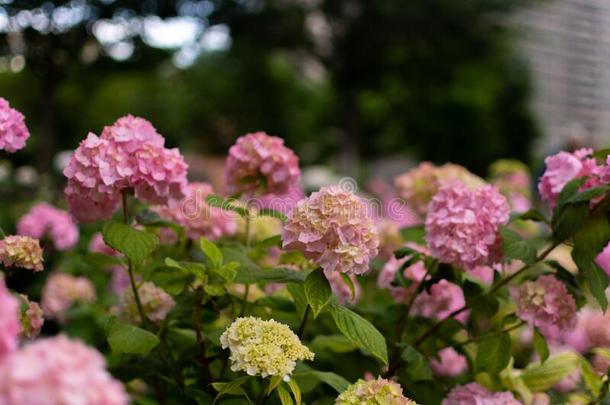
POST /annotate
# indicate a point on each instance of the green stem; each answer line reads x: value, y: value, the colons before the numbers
x: 261, y: 395
x: 485, y: 336
x: 304, y: 321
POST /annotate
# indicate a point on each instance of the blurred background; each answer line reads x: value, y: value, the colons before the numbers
x: 356, y: 87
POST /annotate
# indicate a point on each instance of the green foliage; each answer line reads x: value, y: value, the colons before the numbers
x: 493, y: 353
x: 135, y: 244
x: 540, y: 345
x: 317, y: 291
x: 129, y: 339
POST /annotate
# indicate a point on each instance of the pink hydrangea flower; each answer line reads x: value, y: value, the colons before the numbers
x: 13, y: 132
x: 444, y: 298
x: 156, y: 303
x: 475, y: 394
x: 463, y: 226
x: 129, y: 155
x: 283, y: 203
x: 261, y: 163
x: 61, y: 291
x: 513, y: 180
x: 10, y: 327
x: 44, y: 220
x: 343, y: 291
x: 58, y: 371
x: 547, y: 304
x: 197, y: 217
x: 387, y: 276
x: 417, y: 186
x: 449, y: 364
x: 31, y: 318
x: 21, y: 251
x: 603, y: 259
x: 334, y: 229
x: 563, y: 167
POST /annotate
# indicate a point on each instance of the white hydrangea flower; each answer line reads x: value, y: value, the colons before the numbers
x: 263, y: 348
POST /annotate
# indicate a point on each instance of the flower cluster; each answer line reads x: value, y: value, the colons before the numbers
x: 449, y: 363
x: 21, y: 251
x: 58, y: 371
x: 261, y: 163
x: 547, y: 304
x: 474, y: 393
x: 417, y: 186
x: 563, y: 167
x: 156, y: 303
x: 46, y: 220
x: 265, y: 348
x: 374, y: 392
x: 334, y: 229
x: 13, y: 132
x: 197, y: 217
x: 463, y: 226
x: 440, y: 301
x: 61, y: 291
x: 129, y: 155
x: 9, y: 321
x: 32, y: 318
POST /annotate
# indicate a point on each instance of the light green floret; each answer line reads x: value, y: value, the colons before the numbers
x: 265, y: 348
x: 374, y: 392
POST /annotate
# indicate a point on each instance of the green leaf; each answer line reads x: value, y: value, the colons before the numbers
x: 227, y: 204
x: 231, y: 388
x: 273, y: 383
x: 481, y: 303
x: 568, y: 191
x: 589, y: 194
x: 136, y: 245
x: 276, y: 302
x: 129, y: 339
x: 403, y: 252
x: 595, y: 277
x: 227, y: 271
x: 317, y: 291
x: 569, y: 220
x: 360, y: 331
x: 337, y: 382
x: 268, y: 212
x: 298, y: 295
x: 541, y: 377
x: 590, y: 377
x: 350, y: 284
x: 515, y: 248
x: 335, y: 343
x: 214, y: 290
x: 601, y: 155
x: 275, y: 240
x: 284, y: 395
x: 212, y: 252
x: 279, y: 275
x: 296, y: 391
x: 416, y: 366
x: 493, y: 353
x: 540, y: 346
x: 531, y: 215
x: 413, y: 233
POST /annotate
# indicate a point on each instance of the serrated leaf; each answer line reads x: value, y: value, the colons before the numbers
x: 227, y: 204
x: 493, y: 353
x: 212, y: 252
x: 515, y: 248
x: 337, y: 382
x: 569, y: 220
x: 360, y: 331
x: 136, y: 245
x: 416, y: 366
x: 540, y: 346
x: 317, y: 291
x: 284, y: 396
x: 531, y: 215
x: 129, y: 339
x: 296, y: 391
x: 595, y: 277
x: 541, y: 377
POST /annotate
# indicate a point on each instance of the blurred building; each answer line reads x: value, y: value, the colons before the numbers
x: 567, y: 43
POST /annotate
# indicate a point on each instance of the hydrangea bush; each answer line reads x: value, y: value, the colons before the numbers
x: 155, y: 288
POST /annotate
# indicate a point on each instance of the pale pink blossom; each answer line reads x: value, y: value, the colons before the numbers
x: 128, y: 156
x: 31, y: 317
x: 442, y: 299
x: 514, y: 181
x: 387, y: 278
x: 197, y: 217
x: 547, y: 304
x: 475, y: 394
x: 10, y: 326
x: 21, y: 251
x: 261, y: 163
x: 44, y: 220
x: 449, y: 364
x: 463, y: 226
x: 156, y: 303
x: 58, y: 371
x: 333, y: 228
x: 13, y: 132
x: 61, y: 291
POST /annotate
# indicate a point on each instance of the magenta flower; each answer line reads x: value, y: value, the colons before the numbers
x: 563, y: 167
x: 61, y: 291
x: 197, y: 217
x: 44, y: 220
x: 463, y: 226
x: 129, y: 155
x: 261, y: 163
x: 21, y: 251
x: 475, y: 394
x: 547, y: 304
x: 334, y: 229
x: 449, y: 364
x: 10, y: 326
x: 58, y: 371
x: 442, y: 299
x: 13, y: 132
